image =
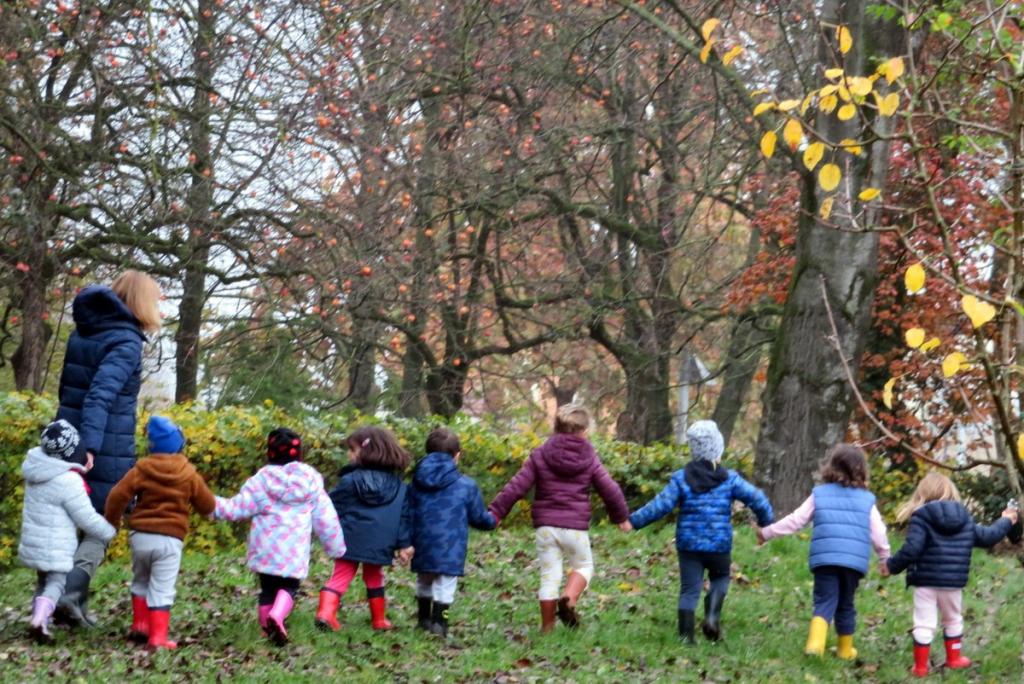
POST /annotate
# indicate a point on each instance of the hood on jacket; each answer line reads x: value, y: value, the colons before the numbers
x: 373, y: 487
x: 97, y: 308
x: 436, y: 471
x: 946, y: 517
x: 291, y: 483
x: 703, y: 476
x: 167, y: 469
x: 38, y: 467
x: 567, y: 455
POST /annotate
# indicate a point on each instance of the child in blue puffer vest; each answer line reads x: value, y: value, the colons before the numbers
x: 445, y: 504
x: 704, y: 492
x: 846, y: 525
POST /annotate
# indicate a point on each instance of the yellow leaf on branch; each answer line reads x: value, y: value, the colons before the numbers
x: 914, y: 278
x: 813, y: 154
x: 826, y: 208
x: 828, y: 104
x: 763, y: 107
x: 914, y: 337
x: 706, y: 51
x: 833, y: 73
x: 890, y: 384
x: 1020, y: 445
x: 953, y: 364
x: 844, y: 38
x: 707, y: 27
x: 850, y: 146
x: 892, y: 69
x: 868, y: 194
x: 931, y: 344
x: 792, y: 133
x: 768, y: 144
x: 978, y: 311
x: 787, y: 105
x: 847, y: 112
x: 888, y: 105
x: 732, y: 54
x: 860, y: 86
x: 829, y: 177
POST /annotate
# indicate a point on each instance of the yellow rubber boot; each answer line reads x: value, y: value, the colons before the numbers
x: 816, y: 637
x: 844, y: 648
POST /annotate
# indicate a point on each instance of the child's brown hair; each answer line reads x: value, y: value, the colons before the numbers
x: 933, y: 487
x: 378, y: 448
x: 845, y: 465
x: 573, y: 419
x: 443, y: 440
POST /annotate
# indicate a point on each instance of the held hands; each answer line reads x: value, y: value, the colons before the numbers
x: 626, y: 526
x: 760, y: 536
x: 883, y: 569
x: 1012, y: 514
x: 405, y: 555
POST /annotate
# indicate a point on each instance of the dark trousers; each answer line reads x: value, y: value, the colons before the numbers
x: 692, y: 565
x: 834, y: 587
x: 271, y: 584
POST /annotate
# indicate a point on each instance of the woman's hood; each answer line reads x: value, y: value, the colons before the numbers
x: 97, y: 308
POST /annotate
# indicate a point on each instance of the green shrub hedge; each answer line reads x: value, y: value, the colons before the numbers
x: 226, y: 446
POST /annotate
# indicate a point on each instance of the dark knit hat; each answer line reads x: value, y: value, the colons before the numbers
x: 284, y: 446
x: 164, y: 437
x: 60, y: 440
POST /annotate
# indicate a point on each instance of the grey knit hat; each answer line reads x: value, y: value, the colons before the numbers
x: 706, y: 443
x: 60, y: 440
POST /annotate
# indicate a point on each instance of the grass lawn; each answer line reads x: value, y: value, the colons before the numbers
x: 629, y: 633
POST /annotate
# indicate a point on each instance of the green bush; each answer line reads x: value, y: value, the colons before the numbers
x: 226, y: 446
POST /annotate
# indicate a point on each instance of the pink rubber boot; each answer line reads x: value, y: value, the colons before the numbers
x: 283, y: 603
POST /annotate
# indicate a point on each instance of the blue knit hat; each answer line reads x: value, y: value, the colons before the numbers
x: 706, y: 443
x: 164, y: 436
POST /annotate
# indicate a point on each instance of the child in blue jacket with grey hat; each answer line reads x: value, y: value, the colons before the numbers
x: 703, y: 492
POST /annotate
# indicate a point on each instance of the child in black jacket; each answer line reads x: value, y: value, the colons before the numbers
x: 937, y: 558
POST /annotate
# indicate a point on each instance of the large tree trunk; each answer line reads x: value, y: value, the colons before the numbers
x: 29, y: 359
x: 446, y: 387
x: 647, y: 417
x: 807, y: 400
x: 199, y: 203
x: 362, y: 390
x: 750, y: 334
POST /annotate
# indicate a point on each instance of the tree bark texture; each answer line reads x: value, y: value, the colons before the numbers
x: 807, y: 400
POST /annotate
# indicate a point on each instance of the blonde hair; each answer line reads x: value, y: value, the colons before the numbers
x: 141, y: 294
x: 933, y: 487
x: 573, y: 419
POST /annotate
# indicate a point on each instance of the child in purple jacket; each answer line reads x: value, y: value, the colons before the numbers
x: 562, y: 473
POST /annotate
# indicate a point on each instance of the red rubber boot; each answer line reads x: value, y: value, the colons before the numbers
x: 139, y: 631
x: 159, y: 621
x: 955, y: 661
x: 327, y: 612
x: 921, y: 653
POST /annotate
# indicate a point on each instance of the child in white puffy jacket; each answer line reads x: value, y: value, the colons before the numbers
x: 56, y: 507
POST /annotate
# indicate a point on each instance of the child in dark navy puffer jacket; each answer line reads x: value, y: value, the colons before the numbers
x: 445, y: 504
x: 847, y: 525
x: 373, y: 507
x: 937, y: 558
x: 704, y: 492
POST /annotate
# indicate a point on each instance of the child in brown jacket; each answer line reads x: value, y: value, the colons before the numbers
x: 164, y: 487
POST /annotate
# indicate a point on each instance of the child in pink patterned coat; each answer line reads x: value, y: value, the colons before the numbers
x: 286, y: 501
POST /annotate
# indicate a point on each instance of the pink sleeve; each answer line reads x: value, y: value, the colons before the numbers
x: 794, y: 522
x: 879, y: 538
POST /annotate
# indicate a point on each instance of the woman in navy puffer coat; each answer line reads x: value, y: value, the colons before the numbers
x: 937, y: 557
x: 99, y: 388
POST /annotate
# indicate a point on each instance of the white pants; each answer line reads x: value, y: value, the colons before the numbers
x: 928, y: 602
x: 440, y: 588
x: 552, y: 544
x: 156, y: 559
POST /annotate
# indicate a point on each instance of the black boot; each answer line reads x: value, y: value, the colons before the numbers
x: 425, y: 605
x: 72, y: 607
x: 713, y: 614
x: 439, y: 619
x: 686, y: 625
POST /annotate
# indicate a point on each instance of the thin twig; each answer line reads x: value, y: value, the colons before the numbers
x: 914, y: 451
